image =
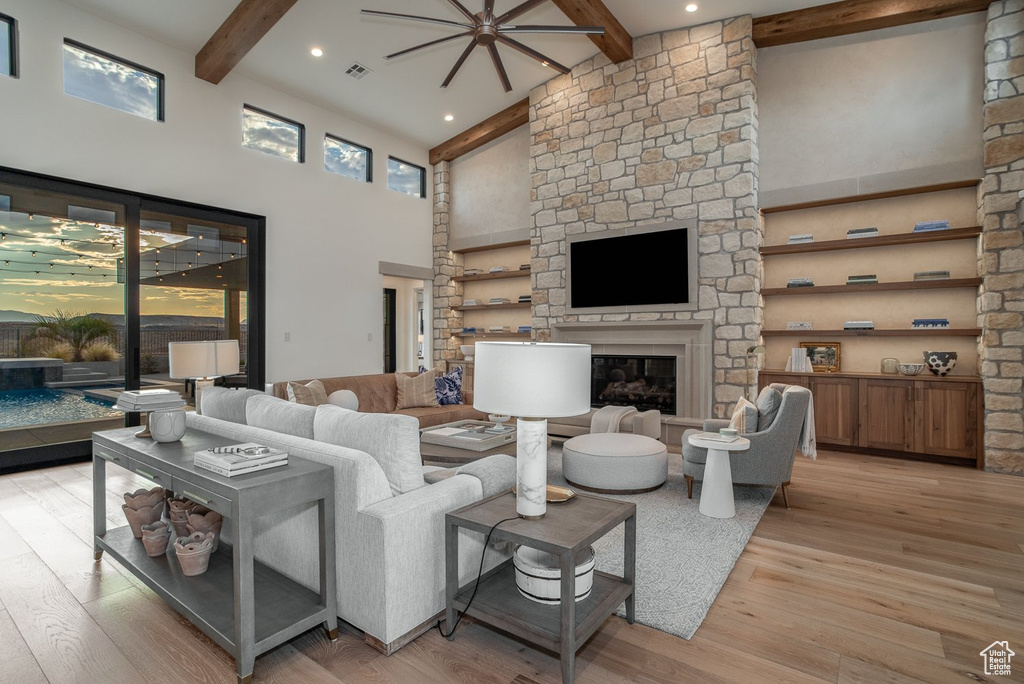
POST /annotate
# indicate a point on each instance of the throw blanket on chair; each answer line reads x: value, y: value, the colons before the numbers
x: 607, y: 418
x: 807, y: 445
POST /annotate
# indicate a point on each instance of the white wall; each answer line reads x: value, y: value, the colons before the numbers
x: 325, y: 234
x: 491, y: 187
x: 897, y: 107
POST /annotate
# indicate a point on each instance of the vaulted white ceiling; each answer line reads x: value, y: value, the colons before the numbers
x: 401, y: 95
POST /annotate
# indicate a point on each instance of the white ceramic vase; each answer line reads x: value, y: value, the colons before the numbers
x: 167, y: 425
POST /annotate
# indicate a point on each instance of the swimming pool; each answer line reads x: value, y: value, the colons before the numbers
x: 20, y: 408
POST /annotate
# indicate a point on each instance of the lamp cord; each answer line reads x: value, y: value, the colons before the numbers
x: 479, y: 573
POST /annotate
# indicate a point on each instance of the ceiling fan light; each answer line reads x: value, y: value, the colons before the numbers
x: 692, y: 7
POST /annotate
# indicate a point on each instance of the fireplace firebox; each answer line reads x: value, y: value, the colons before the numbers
x: 646, y: 382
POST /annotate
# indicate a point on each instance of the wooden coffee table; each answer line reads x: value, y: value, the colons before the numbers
x: 451, y: 453
x: 565, y: 530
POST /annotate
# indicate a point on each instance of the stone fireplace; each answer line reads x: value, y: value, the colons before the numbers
x: 644, y: 382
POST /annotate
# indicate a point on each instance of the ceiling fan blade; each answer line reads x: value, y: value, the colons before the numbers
x: 530, y: 52
x: 488, y: 9
x: 424, y: 45
x: 465, y: 12
x: 458, y: 64
x: 517, y: 10
x: 529, y: 28
x: 430, y: 20
x: 496, y: 58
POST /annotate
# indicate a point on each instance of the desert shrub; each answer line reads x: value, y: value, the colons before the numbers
x: 100, y: 350
x: 60, y: 350
x: 148, y: 365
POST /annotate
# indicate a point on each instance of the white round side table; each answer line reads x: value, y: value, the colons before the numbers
x: 716, y: 500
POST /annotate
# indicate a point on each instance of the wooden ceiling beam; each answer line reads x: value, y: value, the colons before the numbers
x: 239, y: 33
x: 484, y: 132
x: 853, y: 16
x: 616, y: 43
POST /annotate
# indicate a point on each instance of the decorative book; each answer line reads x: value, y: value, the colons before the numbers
x: 798, y: 325
x: 801, y: 239
x: 498, y: 269
x: 859, y: 325
x: 800, y: 282
x: 240, y: 458
x: 931, y: 275
x: 925, y: 226
x: 862, y: 232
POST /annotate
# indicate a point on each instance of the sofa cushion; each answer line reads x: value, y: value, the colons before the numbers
x: 226, y: 404
x: 310, y: 394
x: 448, y: 387
x: 439, y: 415
x: 744, y: 416
x: 393, y: 440
x: 271, y: 413
x: 768, y: 403
x: 415, y: 391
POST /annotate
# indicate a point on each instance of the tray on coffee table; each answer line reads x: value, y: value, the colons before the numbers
x: 468, y: 435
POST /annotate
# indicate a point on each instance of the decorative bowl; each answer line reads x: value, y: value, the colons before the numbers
x: 467, y: 350
x: 911, y: 368
x: 940, y: 362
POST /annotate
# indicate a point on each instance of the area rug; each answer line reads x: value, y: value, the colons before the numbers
x: 682, y: 557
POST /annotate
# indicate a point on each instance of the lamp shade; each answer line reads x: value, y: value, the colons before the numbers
x: 203, y: 359
x: 532, y: 380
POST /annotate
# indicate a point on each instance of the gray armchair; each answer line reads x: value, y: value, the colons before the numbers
x: 769, y: 460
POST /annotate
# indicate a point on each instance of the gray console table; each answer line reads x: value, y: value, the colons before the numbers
x: 566, y: 530
x: 243, y: 605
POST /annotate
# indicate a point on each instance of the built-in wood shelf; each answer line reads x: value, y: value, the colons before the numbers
x: 873, y: 287
x: 924, y: 375
x: 880, y: 241
x: 518, y: 273
x: 481, y: 335
x: 909, y: 332
x: 481, y: 307
x: 488, y: 248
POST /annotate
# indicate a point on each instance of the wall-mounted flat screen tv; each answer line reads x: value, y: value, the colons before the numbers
x: 641, y: 269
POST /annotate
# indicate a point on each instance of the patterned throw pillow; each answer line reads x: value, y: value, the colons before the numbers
x: 310, y: 394
x: 744, y: 416
x: 417, y: 391
x: 448, y: 388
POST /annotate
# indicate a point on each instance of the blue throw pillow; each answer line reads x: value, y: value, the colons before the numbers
x: 448, y: 388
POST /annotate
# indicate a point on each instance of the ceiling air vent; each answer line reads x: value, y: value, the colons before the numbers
x: 357, y: 71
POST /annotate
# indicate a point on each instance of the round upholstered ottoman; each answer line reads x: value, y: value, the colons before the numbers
x: 615, y: 462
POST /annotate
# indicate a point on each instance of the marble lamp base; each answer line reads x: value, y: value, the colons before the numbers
x: 531, y: 467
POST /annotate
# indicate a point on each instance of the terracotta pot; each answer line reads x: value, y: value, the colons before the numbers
x: 144, y: 498
x: 155, y: 538
x: 142, y: 516
x: 211, y: 522
x: 193, y: 553
x: 179, y: 509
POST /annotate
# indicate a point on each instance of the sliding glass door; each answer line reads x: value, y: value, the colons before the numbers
x: 94, y: 283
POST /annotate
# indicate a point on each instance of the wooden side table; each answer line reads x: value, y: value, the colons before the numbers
x: 222, y: 602
x: 716, y: 499
x: 565, y: 531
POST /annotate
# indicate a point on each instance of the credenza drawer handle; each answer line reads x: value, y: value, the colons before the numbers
x: 146, y: 473
x: 108, y: 457
x: 195, y: 497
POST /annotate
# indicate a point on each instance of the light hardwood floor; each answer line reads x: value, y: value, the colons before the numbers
x: 883, y: 571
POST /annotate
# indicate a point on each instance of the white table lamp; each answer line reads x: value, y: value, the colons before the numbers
x: 203, y: 361
x: 534, y: 382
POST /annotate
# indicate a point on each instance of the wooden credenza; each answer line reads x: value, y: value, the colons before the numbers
x: 923, y: 415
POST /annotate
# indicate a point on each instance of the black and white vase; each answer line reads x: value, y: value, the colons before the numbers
x: 940, y: 362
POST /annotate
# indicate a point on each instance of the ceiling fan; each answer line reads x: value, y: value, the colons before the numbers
x: 485, y: 29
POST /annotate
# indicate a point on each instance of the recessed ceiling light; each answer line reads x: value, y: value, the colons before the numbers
x: 692, y: 7
x: 449, y: 117
x: 316, y: 52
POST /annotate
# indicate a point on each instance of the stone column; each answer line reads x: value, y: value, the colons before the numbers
x: 447, y: 293
x: 1001, y: 254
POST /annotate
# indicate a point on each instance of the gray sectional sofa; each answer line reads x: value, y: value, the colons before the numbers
x: 389, y: 521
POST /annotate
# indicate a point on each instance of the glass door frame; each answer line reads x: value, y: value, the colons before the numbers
x: 134, y: 204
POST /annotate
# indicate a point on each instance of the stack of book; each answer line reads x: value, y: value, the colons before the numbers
x: 469, y: 329
x: 859, y: 325
x: 802, y: 239
x: 867, y: 279
x: 239, y: 459
x: 930, y: 323
x: 926, y: 226
x: 800, y: 282
x: 472, y: 271
x: 498, y: 329
x: 525, y: 299
x: 524, y: 267
x: 862, y: 232
x: 498, y: 269
x: 525, y: 328
x: 149, y: 400
x: 798, y: 325
x: 931, y: 275
x: 498, y: 300
x: 470, y: 302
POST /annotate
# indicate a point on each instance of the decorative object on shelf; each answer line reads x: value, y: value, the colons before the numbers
x: 178, y: 510
x: 804, y: 281
x: 752, y: 352
x: 890, y: 366
x: 864, y: 279
x: 142, y: 507
x: 801, y: 239
x: 193, y: 552
x: 799, y: 325
x: 929, y: 323
x: 497, y: 269
x: 931, y: 275
x: 498, y: 419
x: 208, y: 522
x: 145, y: 401
x: 534, y: 382
x: 467, y: 350
x: 538, y: 576
x: 940, y: 362
x: 927, y: 226
x: 855, y: 233
x: 155, y: 537
x: 798, y: 361
x: 859, y: 325
x: 911, y: 368
x: 202, y: 361
x: 824, y: 356
x: 167, y: 425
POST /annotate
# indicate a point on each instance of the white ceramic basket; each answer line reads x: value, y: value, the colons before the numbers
x: 539, y: 579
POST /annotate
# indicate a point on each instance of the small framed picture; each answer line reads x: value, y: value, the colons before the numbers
x: 824, y: 356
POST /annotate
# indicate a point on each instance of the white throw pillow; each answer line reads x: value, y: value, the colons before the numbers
x: 346, y: 399
x: 768, y: 403
x: 392, y: 439
x: 744, y: 416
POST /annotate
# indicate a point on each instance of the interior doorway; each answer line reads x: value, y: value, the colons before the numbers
x: 407, y: 325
